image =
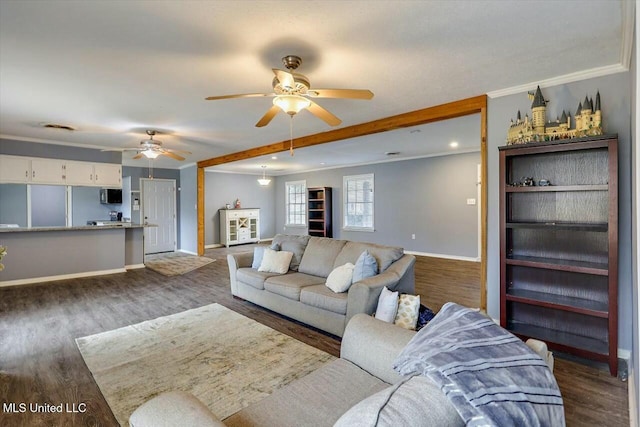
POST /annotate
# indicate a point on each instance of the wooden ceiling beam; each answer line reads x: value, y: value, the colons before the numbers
x: 426, y: 115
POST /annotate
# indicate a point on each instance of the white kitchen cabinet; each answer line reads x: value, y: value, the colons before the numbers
x: 79, y: 173
x: 36, y: 170
x: 107, y: 174
x: 47, y: 171
x: 14, y: 169
x: 239, y: 226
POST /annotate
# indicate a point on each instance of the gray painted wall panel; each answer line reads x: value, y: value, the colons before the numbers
x: 426, y: 197
x: 188, y: 210
x: 13, y: 204
x: 222, y: 188
x: 48, y: 206
x: 86, y: 205
x: 49, y: 253
x: 133, y: 246
x: 53, y: 151
x: 615, y: 93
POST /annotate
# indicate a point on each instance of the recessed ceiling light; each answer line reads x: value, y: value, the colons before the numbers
x: 454, y: 144
x: 391, y: 153
x: 323, y: 163
x: 274, y: 157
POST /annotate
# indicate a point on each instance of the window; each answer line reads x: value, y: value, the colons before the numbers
x: 296, y: 203
x: 358, y: 202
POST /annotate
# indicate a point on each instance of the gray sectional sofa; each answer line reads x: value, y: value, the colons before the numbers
x: 301, y: 293
x: 362, y: 379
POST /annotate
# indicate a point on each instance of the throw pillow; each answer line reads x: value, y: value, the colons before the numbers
x: 258, y: 253
x: 415, y: 401
x: 366, y: 266
x: 297, y: 248
x: 339, y: 280
x: 275, y: 261
x: 408, y: 308
x: 387, y: 306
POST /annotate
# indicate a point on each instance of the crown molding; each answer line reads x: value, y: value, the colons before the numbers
x: 559, y: 80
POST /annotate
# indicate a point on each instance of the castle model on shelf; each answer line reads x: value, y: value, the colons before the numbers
x: 588, y: 122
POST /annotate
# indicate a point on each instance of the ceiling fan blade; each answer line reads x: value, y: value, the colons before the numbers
x: 138, y: 156
x: 172, y: 155
x: 270, y: 114
x: 323, y: 114
x: 180, y: 151
x: 341, y: 93
x: 285, y: 78
x: 243, y: 95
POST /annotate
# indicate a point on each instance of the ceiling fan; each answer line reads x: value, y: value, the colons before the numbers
x: 292, y: 92
x: 152, y: 148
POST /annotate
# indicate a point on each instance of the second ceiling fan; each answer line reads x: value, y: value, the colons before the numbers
x: 292, y: 92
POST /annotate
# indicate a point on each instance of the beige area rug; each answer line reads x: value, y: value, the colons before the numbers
x: 225, y: 359
x: 175, y: 263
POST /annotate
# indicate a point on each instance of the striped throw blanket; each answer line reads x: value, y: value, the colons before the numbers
x: 489, y: 375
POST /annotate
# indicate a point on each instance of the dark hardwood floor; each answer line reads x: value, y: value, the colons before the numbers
x: 40, y: 363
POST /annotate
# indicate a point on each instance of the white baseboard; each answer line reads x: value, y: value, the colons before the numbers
x: 32, y: 280
x: 213, y: 246
x: 459, y: 258
x: 188, y: 252
x: 134, y: 266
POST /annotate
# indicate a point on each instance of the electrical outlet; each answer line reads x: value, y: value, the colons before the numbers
x: 471, y: 201
x: 413, y: 237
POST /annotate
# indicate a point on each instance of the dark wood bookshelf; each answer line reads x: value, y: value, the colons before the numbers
x: 559, y: 245
x: 319, y: 212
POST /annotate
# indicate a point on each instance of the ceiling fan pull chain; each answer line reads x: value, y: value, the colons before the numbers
x: 291, y: 136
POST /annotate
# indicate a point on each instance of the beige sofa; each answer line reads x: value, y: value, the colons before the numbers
x: 301, y: 293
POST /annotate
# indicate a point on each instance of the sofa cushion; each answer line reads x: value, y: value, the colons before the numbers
x: 408, y: 309
x: 366, y: 266
x: 252, y: 277
x: 387, y: 305
x: 317, y: 399
x: 415, y: 402
x: 339, y: 280
x: 275, y: 261
x: 319, y: 256
x: 322, y: 297
x: 384, y: 255
x: 289, y: 285
x: 294, y: 244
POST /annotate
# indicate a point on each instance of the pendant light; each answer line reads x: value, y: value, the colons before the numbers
x: 264, y: 181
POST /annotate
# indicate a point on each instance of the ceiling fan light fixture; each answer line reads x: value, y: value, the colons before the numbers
x: 291, y: 104
x: 264, y: 181
x: 150, y: 154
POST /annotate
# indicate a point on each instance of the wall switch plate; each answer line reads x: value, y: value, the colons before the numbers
x: 413, y: 237
x: 471, y: 201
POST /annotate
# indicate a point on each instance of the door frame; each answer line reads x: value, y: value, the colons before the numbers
x: 175, y: 209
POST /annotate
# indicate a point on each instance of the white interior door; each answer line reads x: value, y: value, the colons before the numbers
x: 159, y: 210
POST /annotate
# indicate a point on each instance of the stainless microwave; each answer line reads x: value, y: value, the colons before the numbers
x: 110, y: 195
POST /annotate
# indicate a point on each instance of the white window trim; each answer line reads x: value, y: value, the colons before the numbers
x: 286, y: 204
x: 345, y: 180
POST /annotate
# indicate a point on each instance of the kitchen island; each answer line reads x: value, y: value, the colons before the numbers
x: 42, y: 254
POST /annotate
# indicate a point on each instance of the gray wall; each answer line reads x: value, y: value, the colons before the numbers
x: 426, y: 197
x: 222, y: 188
x: 188, y: 209
x: 615, y: 93
x: 13, y: 204
x: 52, y: 151
x: 86, y: 205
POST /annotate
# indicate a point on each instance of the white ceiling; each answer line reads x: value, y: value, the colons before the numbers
x: 112, y: 69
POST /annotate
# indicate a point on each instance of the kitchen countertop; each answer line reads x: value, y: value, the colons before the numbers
x: 74, y: 228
